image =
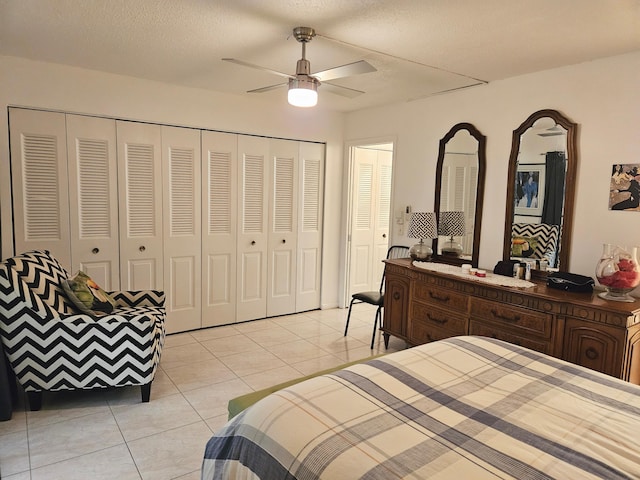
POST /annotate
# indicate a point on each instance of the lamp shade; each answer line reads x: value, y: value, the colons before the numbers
x: 451, y: 224
x: 303, y: 91
x: 423, y: 225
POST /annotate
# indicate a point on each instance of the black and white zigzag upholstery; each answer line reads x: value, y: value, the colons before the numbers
x: 52, y: 347
x: 547, y: 236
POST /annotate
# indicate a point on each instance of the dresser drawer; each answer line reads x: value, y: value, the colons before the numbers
x: 454, y: 323
x: 522, y: 320
x: 483, y: 329
x: 423, y: 332
x: 441, y: 297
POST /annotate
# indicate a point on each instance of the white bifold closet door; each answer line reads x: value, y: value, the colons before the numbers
x: 40, y: 182
x: 140, y: 195
x: 93, y: 199
x: 219, y: 227
x: 310, y: 202
x: 182, y: 227
x: 252, y: 236
x: 282, y: 245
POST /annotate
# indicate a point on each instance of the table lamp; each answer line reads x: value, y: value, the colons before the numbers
x: 422, y: 225
x: 451, y: 225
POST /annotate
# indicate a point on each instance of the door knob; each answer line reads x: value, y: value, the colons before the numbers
x: 384, y: 235
x: 253, y: 242
x: 284, y: 240
x: 95, y: 250
x: 142, y: 248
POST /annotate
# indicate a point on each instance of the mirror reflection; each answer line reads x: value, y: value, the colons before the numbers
x: 459, y: 193
x: 538, y: 213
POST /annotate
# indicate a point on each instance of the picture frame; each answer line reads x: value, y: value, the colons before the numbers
x: 529, y: 189
x: 624, y: 187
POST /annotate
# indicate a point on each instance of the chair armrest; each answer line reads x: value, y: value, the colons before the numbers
x: 135, y: 298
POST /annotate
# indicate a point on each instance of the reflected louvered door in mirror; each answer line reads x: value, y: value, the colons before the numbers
x: 283, y: 228
x: 182, y: 227
x: 140, y: 201
x: 219, y: 227
x: 310, y: 203
x: 93, y: 199
x: 39, y: 182
x: 251, y: 300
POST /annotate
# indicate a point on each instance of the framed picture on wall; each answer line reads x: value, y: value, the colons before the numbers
x: 624, y: 188
x: 529, y: 189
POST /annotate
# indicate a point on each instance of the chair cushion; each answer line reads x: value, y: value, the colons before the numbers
x: 373, y: 298
x: 44, y: 275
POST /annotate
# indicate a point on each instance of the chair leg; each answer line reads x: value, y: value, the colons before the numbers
x: 146, y: 392
x: 375, y: 326
x: 35, y: 400
x: 346, y: 327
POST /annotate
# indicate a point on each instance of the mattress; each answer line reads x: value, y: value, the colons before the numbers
x: 461, y: 408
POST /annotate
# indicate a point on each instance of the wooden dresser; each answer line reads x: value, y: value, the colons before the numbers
x: 422, y: 306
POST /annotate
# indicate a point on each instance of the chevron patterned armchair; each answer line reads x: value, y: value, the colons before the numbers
x: 50, y: 346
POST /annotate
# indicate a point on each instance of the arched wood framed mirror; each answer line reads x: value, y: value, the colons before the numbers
x: 459, y: 195
x: 540, y: 190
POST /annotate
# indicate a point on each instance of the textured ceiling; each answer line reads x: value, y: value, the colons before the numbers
x: 419, y: 47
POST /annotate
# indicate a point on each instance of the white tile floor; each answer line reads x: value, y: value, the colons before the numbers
x: 109, y: 434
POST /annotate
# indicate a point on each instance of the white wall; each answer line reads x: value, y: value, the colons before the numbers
x: 602, y: 97
x: 56, y: 87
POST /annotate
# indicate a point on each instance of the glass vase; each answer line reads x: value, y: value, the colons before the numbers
x: 618, y: 272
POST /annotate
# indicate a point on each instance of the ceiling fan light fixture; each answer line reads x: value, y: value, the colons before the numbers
x: 303, y: 91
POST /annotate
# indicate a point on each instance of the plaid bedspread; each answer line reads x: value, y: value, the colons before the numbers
x: 461, y: 408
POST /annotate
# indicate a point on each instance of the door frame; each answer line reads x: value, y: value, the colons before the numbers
x: 349, y: 153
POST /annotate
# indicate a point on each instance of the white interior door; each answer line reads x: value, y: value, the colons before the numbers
x: 310, y: 201
x: 283, y: 227
x: 251, y: 289
x: 370, y: 204
x: 40, y: 183
x: 182, y: 227
x: 140, y: 200
x: 219, y: 227
x: 93, y: 198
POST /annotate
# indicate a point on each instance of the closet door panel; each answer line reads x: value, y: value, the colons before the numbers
x: 310, y: 208
x: 93, y: 199
x: 140, y: 201
x: 283, y: 228
x: 40, y: 182
x: 382, y: 209
x: 219, y: 227
x: 251, y: 301
x: 182, y: 227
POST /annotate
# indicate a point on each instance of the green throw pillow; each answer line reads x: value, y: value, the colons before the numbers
x: 523, y: 246
x: 87, y: 296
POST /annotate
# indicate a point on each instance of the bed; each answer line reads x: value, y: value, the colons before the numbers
x: 462, y: 408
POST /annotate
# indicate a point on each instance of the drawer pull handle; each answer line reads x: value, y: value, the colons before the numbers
x: 506, y: 318
x: 435, y: 296
x: 591, y: 353
x: 440, y: 321
x: 396, y: 295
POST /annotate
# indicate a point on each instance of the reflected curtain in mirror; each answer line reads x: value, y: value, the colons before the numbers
x: 556, y: 166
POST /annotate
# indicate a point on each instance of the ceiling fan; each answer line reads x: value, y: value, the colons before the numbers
x: 303, y: 86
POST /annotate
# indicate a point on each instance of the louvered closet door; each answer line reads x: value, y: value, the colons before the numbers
x: 39, y: 182
x: 93, y: 199
x: 182, y: 231
x: 140, y: 201
x: 363, y: 222
x: 283, y: 228
x: 219, y: 227
x: 251, y: 292
x: 458, y: 174
x: 382, y: 205
x: 310, y: 201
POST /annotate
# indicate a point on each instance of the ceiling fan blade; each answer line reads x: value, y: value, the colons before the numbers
x: 355, y: 68
x: 339, y: 90
x: 266, y: 89
x: 251, y: 65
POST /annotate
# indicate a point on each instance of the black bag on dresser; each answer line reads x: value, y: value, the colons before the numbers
x: 570, y: 282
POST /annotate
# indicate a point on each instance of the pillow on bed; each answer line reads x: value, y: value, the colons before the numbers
x: 523, y: 246
x: 87, y: 295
